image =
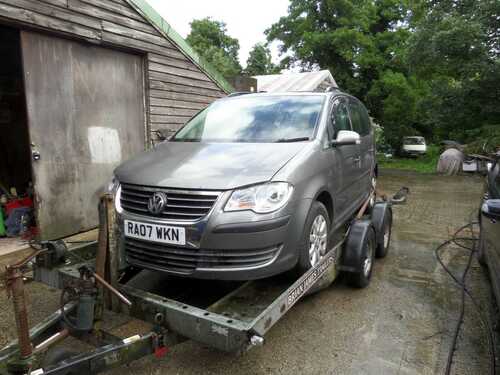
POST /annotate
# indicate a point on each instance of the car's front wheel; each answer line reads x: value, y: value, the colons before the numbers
x: 314, y: 242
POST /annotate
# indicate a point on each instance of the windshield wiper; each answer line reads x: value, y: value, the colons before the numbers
x: 185, y: 140
x: 300, y: 139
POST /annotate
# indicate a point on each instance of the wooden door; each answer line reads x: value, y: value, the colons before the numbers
x: 85, y: 108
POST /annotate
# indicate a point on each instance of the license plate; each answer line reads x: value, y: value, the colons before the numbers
x: 155, y: 233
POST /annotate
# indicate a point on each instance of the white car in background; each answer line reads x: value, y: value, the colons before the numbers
x: 414, y: 146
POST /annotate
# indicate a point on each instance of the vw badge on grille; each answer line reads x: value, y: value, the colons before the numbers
x: 157, y: 202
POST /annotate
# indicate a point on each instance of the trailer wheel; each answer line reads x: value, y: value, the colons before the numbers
x: 314, y: 243
x: 384, y: 240
x: 362, y: 277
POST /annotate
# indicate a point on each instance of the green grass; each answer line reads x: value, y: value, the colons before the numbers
x: 423, y: 164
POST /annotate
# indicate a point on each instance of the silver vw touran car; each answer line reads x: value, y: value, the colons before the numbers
x: 252, y: 186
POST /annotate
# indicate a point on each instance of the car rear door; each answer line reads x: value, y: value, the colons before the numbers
x: 366, y: 162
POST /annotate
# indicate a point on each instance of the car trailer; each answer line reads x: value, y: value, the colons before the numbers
x: 234, y: 321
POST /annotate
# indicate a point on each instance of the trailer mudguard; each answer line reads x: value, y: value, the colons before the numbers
x: 379, y: 213
x: 353, y: 251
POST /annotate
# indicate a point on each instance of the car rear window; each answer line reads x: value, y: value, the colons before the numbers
x: 414, y: 141
x: 255, y: 119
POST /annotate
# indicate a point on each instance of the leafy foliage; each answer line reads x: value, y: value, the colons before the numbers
x: 259, y: 61
x: 209, y: 38
x: 428, y: 67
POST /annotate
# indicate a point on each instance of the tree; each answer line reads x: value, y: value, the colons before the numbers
x: 259, y: 61
x: 209, y: 39
x: 428, y: 67
x: 455, y: 48
x: 362, y: 44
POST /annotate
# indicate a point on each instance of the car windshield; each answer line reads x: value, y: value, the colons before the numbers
x: 414, y: 141
x: 255, y: 119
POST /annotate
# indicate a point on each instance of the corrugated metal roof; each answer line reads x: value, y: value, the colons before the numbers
x: 150, y: 14
x: 307, y: 81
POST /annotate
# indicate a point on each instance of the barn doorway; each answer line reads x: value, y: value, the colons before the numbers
x: 16, y: 191
x: 70, y: 112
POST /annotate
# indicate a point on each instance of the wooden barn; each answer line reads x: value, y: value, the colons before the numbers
x: 84, y: 85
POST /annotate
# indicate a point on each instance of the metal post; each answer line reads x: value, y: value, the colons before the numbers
x: 15, y: 288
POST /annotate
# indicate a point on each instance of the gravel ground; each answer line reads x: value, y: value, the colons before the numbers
x: 401, y: 324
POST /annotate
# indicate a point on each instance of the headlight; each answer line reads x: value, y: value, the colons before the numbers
x: 112, y: 186
x: 260, y: 198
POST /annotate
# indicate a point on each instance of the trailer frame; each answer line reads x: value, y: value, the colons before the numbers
x: 226, y: 324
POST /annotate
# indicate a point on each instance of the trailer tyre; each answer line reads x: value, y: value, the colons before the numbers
x: 384, y: 235
x: 314, y: 242
x: 362, y: 278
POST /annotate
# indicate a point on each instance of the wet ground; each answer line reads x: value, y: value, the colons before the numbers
x: 401, y: 324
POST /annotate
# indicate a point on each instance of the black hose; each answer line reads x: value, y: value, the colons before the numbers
x: 465, y: 292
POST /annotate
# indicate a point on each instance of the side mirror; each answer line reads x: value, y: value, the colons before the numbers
x: 491, y: 209
x: 347, y: 137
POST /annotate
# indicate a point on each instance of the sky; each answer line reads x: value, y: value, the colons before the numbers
x: 246, y: 20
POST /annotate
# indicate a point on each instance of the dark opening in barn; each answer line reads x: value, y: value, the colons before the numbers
x: 15, y: 167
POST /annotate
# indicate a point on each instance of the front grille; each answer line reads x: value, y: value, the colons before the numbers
x: 166, y: 257
x: 182, y: 204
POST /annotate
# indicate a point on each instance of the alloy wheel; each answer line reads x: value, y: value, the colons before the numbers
x: 387, y: 236
x: 367, y: 264
x: 318, y: 240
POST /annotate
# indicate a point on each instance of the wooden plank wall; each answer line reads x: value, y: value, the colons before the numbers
x: 177, y: 88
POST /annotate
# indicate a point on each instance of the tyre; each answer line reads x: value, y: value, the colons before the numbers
x: 314, y: 241
x: 384, y: 240
x: 362, y: 278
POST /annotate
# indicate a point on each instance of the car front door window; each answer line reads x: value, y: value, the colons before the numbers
x: 340, y: 118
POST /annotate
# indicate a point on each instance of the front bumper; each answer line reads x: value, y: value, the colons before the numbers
x: 414, y: 152
x: 222, y: 245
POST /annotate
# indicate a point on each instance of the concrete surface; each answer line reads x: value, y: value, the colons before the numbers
x: 401, y: 324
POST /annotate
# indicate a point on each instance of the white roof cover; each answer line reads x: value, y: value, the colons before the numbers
x: 308, y: 81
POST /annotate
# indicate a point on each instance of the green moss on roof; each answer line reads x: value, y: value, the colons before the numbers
x: 150, y: 14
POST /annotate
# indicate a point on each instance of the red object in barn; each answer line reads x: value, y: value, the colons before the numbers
x: 18, y: 203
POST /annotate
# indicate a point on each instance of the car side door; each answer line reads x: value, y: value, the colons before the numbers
x: 361, y: 124
x: 494, y: 181
x: 343, y: 169
x: 490, y: 230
